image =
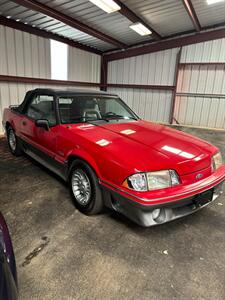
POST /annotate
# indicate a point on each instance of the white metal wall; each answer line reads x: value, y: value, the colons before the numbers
x: 24, y: 54
x: 21, y: 54
x: 150, y: 69
x: 153, y: 69
x: 83, y: 65
x: 212, y: 51
x: 207, y: 110
x: 201, y: 111
x: 158, y: 69
x: 149, y: 105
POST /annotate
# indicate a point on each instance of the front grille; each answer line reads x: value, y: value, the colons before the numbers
x: 203, y: 198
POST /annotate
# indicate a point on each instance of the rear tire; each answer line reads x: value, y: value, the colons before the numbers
x: 84, y: 188
x: 13, y: 142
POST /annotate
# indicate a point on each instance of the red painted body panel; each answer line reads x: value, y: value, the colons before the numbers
x: 122, y: 149
x: 172, y: 194
x: 119, y: 149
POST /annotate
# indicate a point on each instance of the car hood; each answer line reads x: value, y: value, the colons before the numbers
x: 152, y: 146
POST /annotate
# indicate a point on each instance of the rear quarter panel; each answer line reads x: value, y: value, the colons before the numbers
x: 13, y: 118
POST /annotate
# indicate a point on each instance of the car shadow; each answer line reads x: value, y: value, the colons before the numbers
x: 204, y: 217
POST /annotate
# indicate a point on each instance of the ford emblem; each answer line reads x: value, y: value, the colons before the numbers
x: 198, y: 176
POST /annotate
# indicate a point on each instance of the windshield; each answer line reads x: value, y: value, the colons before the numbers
x: 79, y: 108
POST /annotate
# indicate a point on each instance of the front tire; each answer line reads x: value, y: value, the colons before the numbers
x: 13, y: 142
x: 84, y: 188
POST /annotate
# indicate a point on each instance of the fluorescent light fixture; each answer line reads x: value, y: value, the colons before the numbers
x: 107, y: 5
x: 140, y: 29
x: 214, y: 1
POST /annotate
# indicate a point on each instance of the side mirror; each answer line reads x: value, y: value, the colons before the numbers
x: 42, y: 123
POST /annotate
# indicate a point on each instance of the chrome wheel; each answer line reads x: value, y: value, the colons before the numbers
x: 12, y: 140
x: 81, y: 187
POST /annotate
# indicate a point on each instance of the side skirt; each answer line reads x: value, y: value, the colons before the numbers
x: 45, y: 160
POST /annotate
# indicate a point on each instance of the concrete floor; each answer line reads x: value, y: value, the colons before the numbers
x: 62, y: 254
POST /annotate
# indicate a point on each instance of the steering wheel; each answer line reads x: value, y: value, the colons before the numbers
x: 110, y: 113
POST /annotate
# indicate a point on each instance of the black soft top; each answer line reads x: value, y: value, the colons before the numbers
x: 56, y: 92
x: 70, y: 92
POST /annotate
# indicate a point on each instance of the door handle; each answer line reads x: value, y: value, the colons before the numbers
x: 24, y: 123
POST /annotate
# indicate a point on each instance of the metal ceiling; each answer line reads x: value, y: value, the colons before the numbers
x: 167, y: 17
x: 113, y: 24
x: 209, y: 14
x: 17, y: 12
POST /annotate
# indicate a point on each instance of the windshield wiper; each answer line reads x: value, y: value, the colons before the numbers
x: 106, y: 119
x: 100, y: 119
x: 121, y: 118
x: 85, y: 120
x: 131, y: 118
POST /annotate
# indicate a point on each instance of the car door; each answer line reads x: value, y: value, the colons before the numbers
x: 43, y: 142
x: 27, y: 124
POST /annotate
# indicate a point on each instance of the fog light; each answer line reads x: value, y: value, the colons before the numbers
x: 156, y: 213
x: 159, y: 215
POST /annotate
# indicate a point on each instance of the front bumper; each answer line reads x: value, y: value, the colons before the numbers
x: 149, y: 215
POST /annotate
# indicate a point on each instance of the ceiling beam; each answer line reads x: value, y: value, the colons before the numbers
x: 55, y: 14
x: 168, y: 44
x: 207, y: 64
x: 45, y: 34
x: 174, y: 35
x: 192, y: 14
x: 32, y: 80
x: 141, y: 86
x: 129, y: 14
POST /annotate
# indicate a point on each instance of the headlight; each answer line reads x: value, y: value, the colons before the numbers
x: 152, y: 180
x: 137, y: 182
x: 162, y: 179
x: 217, y: 161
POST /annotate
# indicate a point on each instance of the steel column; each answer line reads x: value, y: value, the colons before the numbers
x: 173, y: 100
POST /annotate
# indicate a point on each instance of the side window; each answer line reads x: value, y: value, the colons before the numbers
x: 42, y: 107
x: 65, y: 109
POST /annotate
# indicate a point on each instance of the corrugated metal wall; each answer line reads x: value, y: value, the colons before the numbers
x: 207, y: 108
x: 212, y: 51
x: 24, y: 54
x: 83, y: 66
x: 154, y: 68
x: 202, y: 110
x: 150, y: 69
x: 21, y: 54
x: 149, y: 105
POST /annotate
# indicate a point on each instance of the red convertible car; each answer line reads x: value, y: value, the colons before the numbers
x: 110, y: 157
